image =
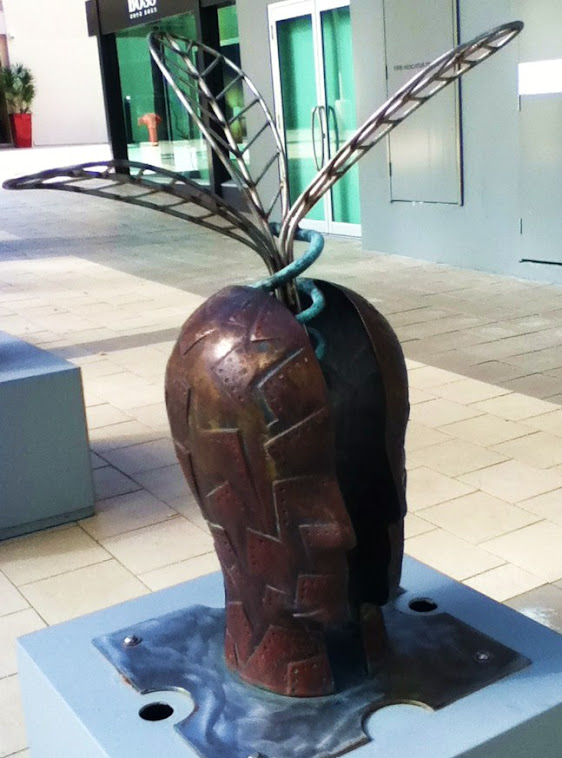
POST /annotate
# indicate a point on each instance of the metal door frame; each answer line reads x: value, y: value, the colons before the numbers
x: 288, y: 9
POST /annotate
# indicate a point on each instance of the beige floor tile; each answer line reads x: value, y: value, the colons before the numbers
x: 105, y: 415
x: 83, y: 590
x: 451, y: 555
x: 513, y: 481
x: 181, y: 572
x: 419, y: 437
x: 515, y: 406
x: 419, y: 396
x: 425, y: 377
x: 11, y: 600
x: 486, y: 430
x: 12, y: 627
x: 439, y: 412
x: 108, y: 482
x: 534, y: 548
x: 547, y: 422
x: 540, y: 449
x: 478, y: 517
x: 547, y: 506
x: 410, y: 364
x: 12, y: 733
x: 415, y: 525
x: 468, y: 391
x: 455, y: 457
x: 44, y: 554
x: 124, y: 434
x: 504, y: 582
x: 154, y: 416
x: 159, y: 545
x: 167, y: 484
x: 144, y: 457
x: 427, y: 487
x: 125, y: 513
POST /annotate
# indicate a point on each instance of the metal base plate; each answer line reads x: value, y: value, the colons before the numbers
x: 433, y: 660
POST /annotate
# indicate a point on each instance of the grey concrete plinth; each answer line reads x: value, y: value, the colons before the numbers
x: 77, y: 703
x: 45, y: 471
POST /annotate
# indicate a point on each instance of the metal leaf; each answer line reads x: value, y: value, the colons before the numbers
x: 155, y: 188
x: 421, y: 88
x: 193, y: 69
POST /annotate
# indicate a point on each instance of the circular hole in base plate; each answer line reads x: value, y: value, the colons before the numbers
x: 156, y: 711
x: 422, y: 605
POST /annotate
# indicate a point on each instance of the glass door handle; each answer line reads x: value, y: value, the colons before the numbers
x: 317, y: 111
x: 331, y: 111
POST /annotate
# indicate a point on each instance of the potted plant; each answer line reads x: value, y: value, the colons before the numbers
x: 18, y: 84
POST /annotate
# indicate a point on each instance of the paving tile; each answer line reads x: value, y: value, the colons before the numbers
x: 12, y: 627
x: 538, y: 385
x: 426, y: 377
x: 515, y: 407
x: 153, y: 416
x: 96, y: 461
x: 11, y: 600
x: 44, y: 554
x: 181, y: 572
x: 12, y: 733
x: 451, y: 555
x: 82, y: 591
x: 466, y: 391
x: 535, y: 548
x: 108, y: 482
x: 167, y: 484
x: 513, y: 481
x: 478, y: 516
x: 415, y: 525
x: 547, y: 422
x: 486, y: 430
x: 543, y: 604
x: 159, y: 545
x: 419, y: 396
x: 105, y: 415
x: 540, y: 449
x: 124, y: 513
x: 124, y: 434
x: 455, y: 457
x: 143, y: 457
x: 504, y: 582
x: 427, y: 487
x: 440, y: 412
x: 547, y: 506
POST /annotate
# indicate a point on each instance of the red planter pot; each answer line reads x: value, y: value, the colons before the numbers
x: 21, y: 129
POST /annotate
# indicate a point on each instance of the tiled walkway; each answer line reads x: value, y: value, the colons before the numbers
x: 107, y: 286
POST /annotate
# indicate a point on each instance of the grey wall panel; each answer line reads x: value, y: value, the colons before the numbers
x: 425, y: 152
x: 484, y: 233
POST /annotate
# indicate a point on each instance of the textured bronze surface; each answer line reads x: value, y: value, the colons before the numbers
x: 253, y: 415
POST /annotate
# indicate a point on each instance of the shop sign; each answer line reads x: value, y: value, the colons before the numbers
x: 115, y: 15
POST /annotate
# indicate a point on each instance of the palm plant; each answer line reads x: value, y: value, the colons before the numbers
x: 18, y: 84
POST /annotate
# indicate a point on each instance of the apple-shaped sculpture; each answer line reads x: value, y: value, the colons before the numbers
x: 288, y: 400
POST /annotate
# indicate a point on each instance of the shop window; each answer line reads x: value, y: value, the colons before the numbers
x: 159, y: 131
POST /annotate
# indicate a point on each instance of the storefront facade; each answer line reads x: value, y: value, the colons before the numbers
x: 472, y: 180
x: 146, y: 122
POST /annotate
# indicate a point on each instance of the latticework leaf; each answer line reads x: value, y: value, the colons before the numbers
x: 151, y: 187
x: 193, y: 70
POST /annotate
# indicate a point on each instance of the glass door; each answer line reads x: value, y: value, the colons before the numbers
x: 315, y: 102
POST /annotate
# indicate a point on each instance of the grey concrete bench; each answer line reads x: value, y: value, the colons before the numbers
x: 45, y: 470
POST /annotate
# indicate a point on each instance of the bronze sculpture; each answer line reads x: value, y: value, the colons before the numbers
x: 294, y: 451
